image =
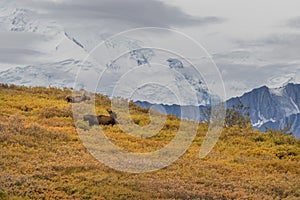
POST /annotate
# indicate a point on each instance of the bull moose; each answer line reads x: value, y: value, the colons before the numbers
x: 102, y: 119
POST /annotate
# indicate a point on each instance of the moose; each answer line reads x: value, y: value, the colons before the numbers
x: 77, y: 99
x: 102, y: 119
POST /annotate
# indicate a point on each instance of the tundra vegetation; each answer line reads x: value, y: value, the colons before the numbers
x: 42, y: 156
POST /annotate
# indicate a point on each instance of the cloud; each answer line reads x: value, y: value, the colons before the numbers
x: 93, y: 21
x: 294, y: 23
x: 241, y: 78
x: 18, y: 47
x: 275, y: 47
x: 136, y: 13
x: 272, y: 60
x: 10, y: 39
x: 17, y: 56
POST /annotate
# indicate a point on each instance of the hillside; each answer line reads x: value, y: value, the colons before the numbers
x: 42, y: 157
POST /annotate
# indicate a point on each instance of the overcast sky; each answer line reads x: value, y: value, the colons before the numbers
x: 253, y: 42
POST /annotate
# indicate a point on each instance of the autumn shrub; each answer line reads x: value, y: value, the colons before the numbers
x: 43, y: 157
x: 259, y: 138
x: 3, y: 195
x: 16, y: 124
x: 140, y: 120
x: 286, y: 152
x: 82, y: 125
x: 4, y: 85
x: 172, y: 117
x: 56, y: 122
x: 102, y: 100
x: 137, y: 109
x: 171, y: 125
x: 49, y: 112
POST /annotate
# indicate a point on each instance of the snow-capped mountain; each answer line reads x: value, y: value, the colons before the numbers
x: 57, y: 74
x: 195, y: 113
x: 292, y: 121
x: 146, y: 83
x: 272, y: 107
x: 45, y: 37
x: 63, y: 60
x: 268, y: 107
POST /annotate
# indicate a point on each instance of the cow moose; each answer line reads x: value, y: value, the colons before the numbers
x: 102, y: 119
x: 77, y: 99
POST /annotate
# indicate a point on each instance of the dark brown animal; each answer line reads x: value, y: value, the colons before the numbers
x: 77, y: 99
x: 102, y: 119
x: 69, y: 99
x: 107, y: 120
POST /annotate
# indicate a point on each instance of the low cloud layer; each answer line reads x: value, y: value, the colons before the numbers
x: 294, y: 23
x: 136, y: 13
x: 274, y: 48
x: 240, y: 78
x: 19, y: 48
x: 18, y: 56
x: 272, y: 60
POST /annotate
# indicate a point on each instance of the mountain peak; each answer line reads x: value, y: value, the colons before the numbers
x: 271, y: 106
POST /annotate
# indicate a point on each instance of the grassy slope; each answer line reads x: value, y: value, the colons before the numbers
x: 43, y: 157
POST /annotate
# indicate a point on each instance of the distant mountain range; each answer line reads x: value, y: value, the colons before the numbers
x: 272, y: 107
x: 60, y: 55
x: 268, y: 107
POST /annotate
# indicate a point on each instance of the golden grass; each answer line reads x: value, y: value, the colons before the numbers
x: 42, y: 157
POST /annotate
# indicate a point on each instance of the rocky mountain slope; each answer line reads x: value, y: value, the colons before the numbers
x: 268, y: 107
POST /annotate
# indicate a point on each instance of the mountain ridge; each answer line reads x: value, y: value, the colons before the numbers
x: 268, y: 107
